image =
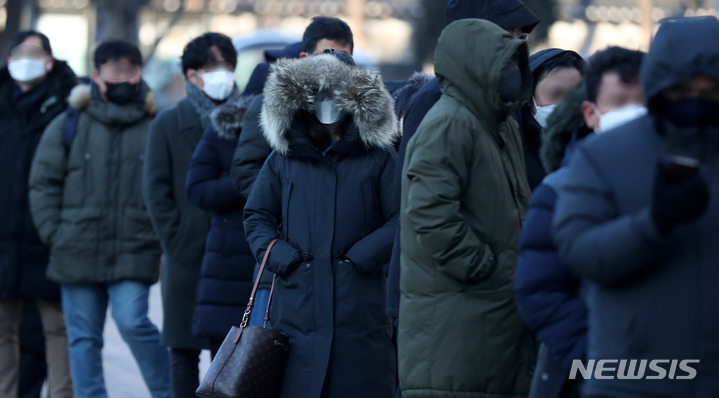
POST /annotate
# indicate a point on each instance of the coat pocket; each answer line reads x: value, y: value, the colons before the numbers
x: 137, y: 233
x: 293, y: 304
x: 79, y: 231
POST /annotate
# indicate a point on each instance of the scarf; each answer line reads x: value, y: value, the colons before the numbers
x: 203, y: 104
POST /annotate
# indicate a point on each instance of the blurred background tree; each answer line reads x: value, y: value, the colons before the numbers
x: 20, y: 15
x: 118, y: 19
x: 426, y: 30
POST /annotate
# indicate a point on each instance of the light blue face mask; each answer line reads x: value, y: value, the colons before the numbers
x: 326, y: 109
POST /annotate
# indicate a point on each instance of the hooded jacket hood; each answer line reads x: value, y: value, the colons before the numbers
x: 470, y: 70
x: 293, y: 84
x: 507, y: 14
x: 681, y: 49
x: 229, y: 119
x: 82, y: 94
x: 85, y: 97
x: 540, y: 57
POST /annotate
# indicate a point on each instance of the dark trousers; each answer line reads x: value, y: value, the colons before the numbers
x: 33, y: 368
x: 185, y: 370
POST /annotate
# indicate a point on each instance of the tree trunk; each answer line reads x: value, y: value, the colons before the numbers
x: 646, y: 6
x: 18, y: 18
x: 118, y: 19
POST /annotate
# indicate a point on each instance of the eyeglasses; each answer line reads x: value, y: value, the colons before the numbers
x: 26, y: 51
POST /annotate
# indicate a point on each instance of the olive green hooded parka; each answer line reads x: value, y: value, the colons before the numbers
x: 464, y: 196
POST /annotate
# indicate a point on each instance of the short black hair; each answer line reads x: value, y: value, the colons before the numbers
x: 565, y: 59
x: 620, y: 60
x: 198, y: 52
x: 115, y: 50
x: 326, y: 28
x: 22, y: 36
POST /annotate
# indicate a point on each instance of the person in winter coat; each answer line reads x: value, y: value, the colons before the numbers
x: 511, y: 15
x: 227, y: 266
x: 554, y: 73
x: 252, y: 148
x: 326, y: 192
x: 548, y: 294
x: 636, y: 219
x: 86, y: 203
x: 33, y: 91
x: 208, y: 63
x: 464, y: 195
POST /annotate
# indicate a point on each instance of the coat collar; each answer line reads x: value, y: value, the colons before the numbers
x: 85, y: 97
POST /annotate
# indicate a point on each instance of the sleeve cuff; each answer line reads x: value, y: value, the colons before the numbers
x: 647, y: 228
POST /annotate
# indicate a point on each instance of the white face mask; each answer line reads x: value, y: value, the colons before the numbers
x: 543, y: 113
x: 218, y: 84
x: 327, y: 112
x: 28, y: 70
x: 619, y: 116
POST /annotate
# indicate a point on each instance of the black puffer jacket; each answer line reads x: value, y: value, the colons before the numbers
x: 23, y: 118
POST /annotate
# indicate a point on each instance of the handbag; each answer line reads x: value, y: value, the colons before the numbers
x: 251, y: 360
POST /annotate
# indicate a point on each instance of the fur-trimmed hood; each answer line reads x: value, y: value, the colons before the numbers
x: 81, y: 95
x: 229, y: 118
x: 293, y: 84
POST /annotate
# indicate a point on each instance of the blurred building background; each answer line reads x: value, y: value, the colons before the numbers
x: 394, y: 37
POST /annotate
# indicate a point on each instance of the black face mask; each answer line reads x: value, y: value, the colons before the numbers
x: 691, y: 112
x: 510, y: 83
x: 122, y: 93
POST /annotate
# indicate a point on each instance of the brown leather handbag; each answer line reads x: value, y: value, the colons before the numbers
x: 251, y: 360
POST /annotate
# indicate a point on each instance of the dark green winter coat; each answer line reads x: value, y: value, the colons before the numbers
x: 86, y: 198
x: 464, y: 195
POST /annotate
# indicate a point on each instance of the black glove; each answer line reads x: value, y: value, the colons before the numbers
x: 680, y: 196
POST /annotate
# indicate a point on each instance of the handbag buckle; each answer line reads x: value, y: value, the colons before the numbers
x: 245, y: 318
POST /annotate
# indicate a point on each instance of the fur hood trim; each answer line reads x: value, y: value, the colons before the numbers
x: 81, y: 95
x: 420, y: 78
x: 228, y: 119
x: 293, y: 83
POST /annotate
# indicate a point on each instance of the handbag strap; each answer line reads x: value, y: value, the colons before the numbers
x: 269, y: 301
x: 251, y: 303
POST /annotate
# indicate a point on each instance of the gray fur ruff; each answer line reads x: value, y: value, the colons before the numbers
x: 293, y: 83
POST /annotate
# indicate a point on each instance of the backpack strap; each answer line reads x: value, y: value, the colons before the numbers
x: 69, y: 128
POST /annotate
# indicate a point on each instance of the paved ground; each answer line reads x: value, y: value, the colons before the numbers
x: 122, y: 376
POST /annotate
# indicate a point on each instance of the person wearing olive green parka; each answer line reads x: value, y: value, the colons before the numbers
x: 464, y: 195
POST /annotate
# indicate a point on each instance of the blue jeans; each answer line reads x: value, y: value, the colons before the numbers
x: 257, y: 318
x: 85, y: 307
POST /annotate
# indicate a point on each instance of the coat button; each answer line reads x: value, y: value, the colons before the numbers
x: 308, y: 265
x: 545, y: 376
x: 87, y: 156
x: 225, y: 221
